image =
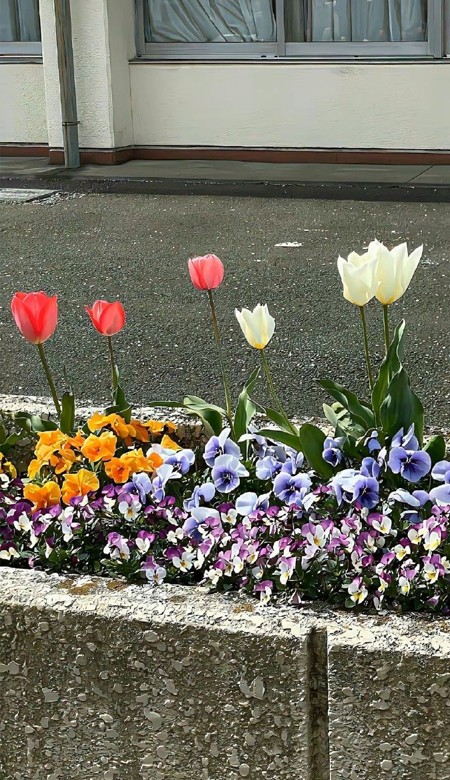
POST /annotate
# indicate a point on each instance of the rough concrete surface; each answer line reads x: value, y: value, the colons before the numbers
x: 135, y: 247
x: 103, y: 680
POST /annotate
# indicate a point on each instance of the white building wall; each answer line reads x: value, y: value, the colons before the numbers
x: 102, y: 33
x: 268, y: 104
x: 22, y: 100
x: 378, y: 106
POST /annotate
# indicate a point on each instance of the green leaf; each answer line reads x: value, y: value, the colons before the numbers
x: 34, y: 424
x: 118, y: 399
x: 210, y: 415
x: 246, y: 408
x: 194, y: 400
x: 312, y: 439
x: 390, y: 366
x: 281, y: 420
x: 10, y: 441
x: 274, y: 434
x: 168, y: 404
x: 436, y: 448
x: 3, y: 432
x: 401, y: 407
x: 360, y: 413
x: 67, y: 419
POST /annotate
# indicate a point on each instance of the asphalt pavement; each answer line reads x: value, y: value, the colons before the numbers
x: 135, y: 248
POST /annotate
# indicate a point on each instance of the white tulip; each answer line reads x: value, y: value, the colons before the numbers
x: 258, y: 326
x: 394, y: 271
x: 357, y: 275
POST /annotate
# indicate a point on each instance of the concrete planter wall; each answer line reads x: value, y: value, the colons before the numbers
x: 99, y: 679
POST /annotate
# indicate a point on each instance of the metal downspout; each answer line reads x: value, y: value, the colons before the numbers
x: 63, y: 25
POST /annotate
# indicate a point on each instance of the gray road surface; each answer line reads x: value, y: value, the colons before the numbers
x: 135, y: 247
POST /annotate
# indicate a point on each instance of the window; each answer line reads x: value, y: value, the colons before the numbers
x: 20, y: 31
x: 278, y: 28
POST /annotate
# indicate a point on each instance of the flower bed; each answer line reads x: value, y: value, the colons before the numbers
x: 357, y: 518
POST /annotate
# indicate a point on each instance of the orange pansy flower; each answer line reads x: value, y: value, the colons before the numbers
x: 98, y: 421
x: 115, y: 421
x: 76, y: 441
x: 34, y: 466
x: 154, y: 461
x: 117, y: 470
x: 135, y: 460
x: 140, y: 430
x: 79, y: 484
x: 97, y: 448
x: 169, y: 444
x: 42, y: 496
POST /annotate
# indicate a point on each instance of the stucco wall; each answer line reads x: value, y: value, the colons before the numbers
x: 109, y: 681
x: 22, y: 100
x: 402, y: 106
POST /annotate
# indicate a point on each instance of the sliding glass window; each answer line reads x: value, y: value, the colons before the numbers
x: 290, y: 28
x: 20, y: 31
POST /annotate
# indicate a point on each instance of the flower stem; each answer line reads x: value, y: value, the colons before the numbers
x: 366, y: 347
x: 50, y: 381
x: 113, y: 364
x: 387, y: 338
x: 226, y: 385
x: 276, y: 401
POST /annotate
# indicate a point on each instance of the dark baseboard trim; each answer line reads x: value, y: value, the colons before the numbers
x: 23, y: 150
x: 121, y: 155
x: 95, y: 156
x: 317, y: 156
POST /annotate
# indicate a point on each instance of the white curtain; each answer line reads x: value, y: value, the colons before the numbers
x: 447, y: 27
x: 218, y: 21
x: 19, y: 20
x: 356, y: 20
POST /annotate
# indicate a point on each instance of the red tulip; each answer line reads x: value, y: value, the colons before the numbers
x: 107, y: 318
x: 35, y: 314
x: 206, y: 272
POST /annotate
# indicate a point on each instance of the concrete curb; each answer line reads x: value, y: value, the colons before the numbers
x: 389, y: 192
x: 99, y: 679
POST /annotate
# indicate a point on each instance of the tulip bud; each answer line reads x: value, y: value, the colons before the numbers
x: 394, y: 271
x: 357, y: 275
x: 206, y: 272
x: 107, y: 318
x: 258, y: 326
x: 35, y: 314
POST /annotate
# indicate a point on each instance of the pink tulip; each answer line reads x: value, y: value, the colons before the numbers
x: 206, y: 272
x: 35, y: 314
x: 107, y: 318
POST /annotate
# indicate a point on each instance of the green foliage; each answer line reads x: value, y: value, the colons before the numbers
x: 394, y: 404
x: 436, y: 448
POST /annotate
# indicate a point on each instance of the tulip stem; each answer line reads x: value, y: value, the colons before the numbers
x: 387, y: 338
x: 226, y: 385
x: 366, y: 347
x: 113, y: 364
x: 276, y: 401
x: 50, y: 381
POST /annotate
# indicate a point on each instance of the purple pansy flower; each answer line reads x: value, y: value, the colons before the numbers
x: 205, y: 492
x: 143, y: 485
x: 412, y: 465
x: 221, y: 445
x: 227, y: 473
x: 332, y: 450
x: 408, y: 441
x: 181, y: 461
x: 291, y: 488
x: 441, y: 471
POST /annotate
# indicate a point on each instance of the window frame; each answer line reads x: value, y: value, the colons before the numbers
x: 21, y: 48
x: 433, y: 48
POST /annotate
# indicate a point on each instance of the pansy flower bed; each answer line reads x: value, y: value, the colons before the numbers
x: 360, y: 517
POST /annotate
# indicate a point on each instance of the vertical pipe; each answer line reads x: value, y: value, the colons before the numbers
x: 63, y: 24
